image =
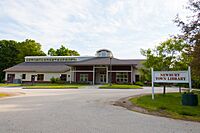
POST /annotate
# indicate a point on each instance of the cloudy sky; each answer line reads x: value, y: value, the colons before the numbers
x: 123, y: 26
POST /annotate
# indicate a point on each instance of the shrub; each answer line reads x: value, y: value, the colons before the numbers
x: 139, y: 83
x: 55, y: 80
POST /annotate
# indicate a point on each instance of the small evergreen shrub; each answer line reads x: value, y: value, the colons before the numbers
x: 55, y: 80
x: 139, y: 83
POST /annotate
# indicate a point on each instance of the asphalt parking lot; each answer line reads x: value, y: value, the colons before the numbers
x: 87, y: 110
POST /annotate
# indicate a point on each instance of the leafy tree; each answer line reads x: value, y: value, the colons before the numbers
x: 169, y: 55
x: 62, y: 51
x: 12, y: 53
x: 51, y: 52
x: 29, y: 48
x: 8, y: 54
x: 191, y: 33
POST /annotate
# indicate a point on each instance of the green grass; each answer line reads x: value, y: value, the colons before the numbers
x: 44, y: 86
x: 120, y: 86
x: 52, y: 84
x: 9, y: 85
x: 168, y: 105
x: 3, y: 95
x: 51, y: 87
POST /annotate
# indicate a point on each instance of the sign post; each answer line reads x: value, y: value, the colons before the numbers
x: 189, y: 75
x: 171, y: 77
x: 152, y: 80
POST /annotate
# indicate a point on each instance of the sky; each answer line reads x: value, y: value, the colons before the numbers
x: 122, y: 26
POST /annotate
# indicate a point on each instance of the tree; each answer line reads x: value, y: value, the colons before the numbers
x: 62, y: 51
x: 29, y: 48
x: 12, y: 53
x: 8, y: 54
x: 169, y: 55
x: 191, y: 33
x: 51, y: 52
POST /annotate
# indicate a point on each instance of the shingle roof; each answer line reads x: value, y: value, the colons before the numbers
x: 64, y: 66
x: 39, y: 67
x: 106, y: 61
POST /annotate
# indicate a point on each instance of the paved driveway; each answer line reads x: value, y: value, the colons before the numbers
x: 81, y: 111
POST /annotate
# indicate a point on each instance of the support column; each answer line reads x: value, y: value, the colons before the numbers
x: 93, y: 75
x: 107, y: 74
x: 131, y: 74
x: 75, y: 74
x: 70, y: 75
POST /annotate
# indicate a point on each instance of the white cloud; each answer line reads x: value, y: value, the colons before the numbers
x: 123, y: 26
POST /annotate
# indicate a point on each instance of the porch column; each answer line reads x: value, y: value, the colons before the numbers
x: 75, y: 74
x: 131, y: 74
x: 70, y: 81
x: 93, y: 75
x: 107, y: 74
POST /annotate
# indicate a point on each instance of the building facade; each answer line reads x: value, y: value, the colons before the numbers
x: 99, y: 69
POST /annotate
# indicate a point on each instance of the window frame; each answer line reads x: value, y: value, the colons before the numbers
x: 122, y: 77
x: 63, y: 77
x: 83, y: 77
x: 38, y: 77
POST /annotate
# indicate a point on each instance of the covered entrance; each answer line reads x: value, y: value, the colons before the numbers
x: 100, y: 75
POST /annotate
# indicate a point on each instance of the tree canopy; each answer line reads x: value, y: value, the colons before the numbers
x: 13, y: 52
x: 62, y: 51
x: 191, y: 33
x: 169, y: 55
x: 29, y: 48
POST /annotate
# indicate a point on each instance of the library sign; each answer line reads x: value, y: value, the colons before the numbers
x: 170, y: 77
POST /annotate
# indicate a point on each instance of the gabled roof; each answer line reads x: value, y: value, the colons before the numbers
x: 39, y: 67
x: 106, y: 61
x: 65, y: 66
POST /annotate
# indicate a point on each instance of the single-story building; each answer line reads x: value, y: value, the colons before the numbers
x: 98, y: 69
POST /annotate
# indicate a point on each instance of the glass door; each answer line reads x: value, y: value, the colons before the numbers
x: 102, y: 78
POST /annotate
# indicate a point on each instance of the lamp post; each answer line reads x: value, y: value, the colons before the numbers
x: 110, y: 77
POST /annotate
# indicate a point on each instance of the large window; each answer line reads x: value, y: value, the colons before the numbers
x: 83, y: 77
x: 137, y: 78
x: 63, y: 77
x: 122, y: 77
x: 40, y: 77
x: 10, y: 77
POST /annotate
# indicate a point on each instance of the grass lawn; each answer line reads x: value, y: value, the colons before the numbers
x: 9, y: 85
x: 118, y: 86
x: 52, y: 86
x: 44, y: 86
x: 168, y: 105
x: 4, y: 95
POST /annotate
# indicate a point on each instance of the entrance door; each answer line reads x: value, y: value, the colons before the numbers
x: 32, y: 78
x: 102, y: 78
x: 10, y: 78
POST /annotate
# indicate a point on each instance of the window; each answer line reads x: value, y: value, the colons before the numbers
x: 40, y: 77
x: 10, y: 77
x: 122, y: 77
x: 83, y: 77
x: 23, y: 76
x: 137, y: 78
x: 63, y: 77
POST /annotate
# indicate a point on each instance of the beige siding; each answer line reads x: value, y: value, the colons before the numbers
x: 47, y: 76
